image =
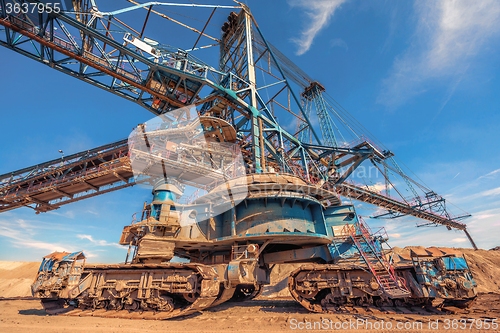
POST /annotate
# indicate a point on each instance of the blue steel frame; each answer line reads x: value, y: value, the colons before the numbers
x: 129, y: 75
x: 82, y: 51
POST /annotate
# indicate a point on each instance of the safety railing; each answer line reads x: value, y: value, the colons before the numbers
x: 380, y: 267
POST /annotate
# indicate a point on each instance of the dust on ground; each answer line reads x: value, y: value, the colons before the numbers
x: 270, y: 315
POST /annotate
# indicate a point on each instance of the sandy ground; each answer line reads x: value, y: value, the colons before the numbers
x: 269, y: 315
x: 273, y: 311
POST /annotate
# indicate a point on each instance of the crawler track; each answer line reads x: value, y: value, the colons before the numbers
x: 332, y: 288
x: 141, y: 292
x: 344, y: 289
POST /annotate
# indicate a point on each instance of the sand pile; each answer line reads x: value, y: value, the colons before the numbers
x: 16, y: 278
x: 485, y: 268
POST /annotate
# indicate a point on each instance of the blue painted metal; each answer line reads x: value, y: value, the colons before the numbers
x: 163, y: 195
x: 454, y: 263
x: 309, y: 254
x: 294, y: 96
x: 444, y: 276
x: 313, y: 94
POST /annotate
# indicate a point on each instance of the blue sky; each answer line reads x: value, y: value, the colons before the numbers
x: 422, y: 77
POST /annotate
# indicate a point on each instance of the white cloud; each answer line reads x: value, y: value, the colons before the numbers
x: 459, y: 240
x: 377, y: 187
x: 490, y: 174
x: 20, y: 234
x: 482, y: 194
x: 25, y: 234
x: 338, y: 42
x: 49, y: 247
x: 66, y: 213
x: 448, y: 34
x: 318, y: 13
x: 98, y: 242
x: 487, y: 213
x: 25, y: 225
x: 491, y: 192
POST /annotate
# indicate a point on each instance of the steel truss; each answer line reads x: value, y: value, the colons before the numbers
x: 252, y: 87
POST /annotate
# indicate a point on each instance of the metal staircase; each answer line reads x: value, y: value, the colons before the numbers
x: 383, y: 271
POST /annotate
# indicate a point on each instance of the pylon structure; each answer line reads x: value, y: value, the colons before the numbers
x: 252, y: 90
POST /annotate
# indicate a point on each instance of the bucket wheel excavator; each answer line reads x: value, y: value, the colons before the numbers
x: 234, y: 193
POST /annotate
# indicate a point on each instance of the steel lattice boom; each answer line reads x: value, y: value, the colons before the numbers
x: 49, y: 185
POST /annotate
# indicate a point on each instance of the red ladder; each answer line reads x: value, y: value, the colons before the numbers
x: 379, y: 266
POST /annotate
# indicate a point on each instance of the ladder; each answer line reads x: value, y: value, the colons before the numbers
x: 383, y: 271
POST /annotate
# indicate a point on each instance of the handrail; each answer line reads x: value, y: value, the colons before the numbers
x: 362, y: 231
